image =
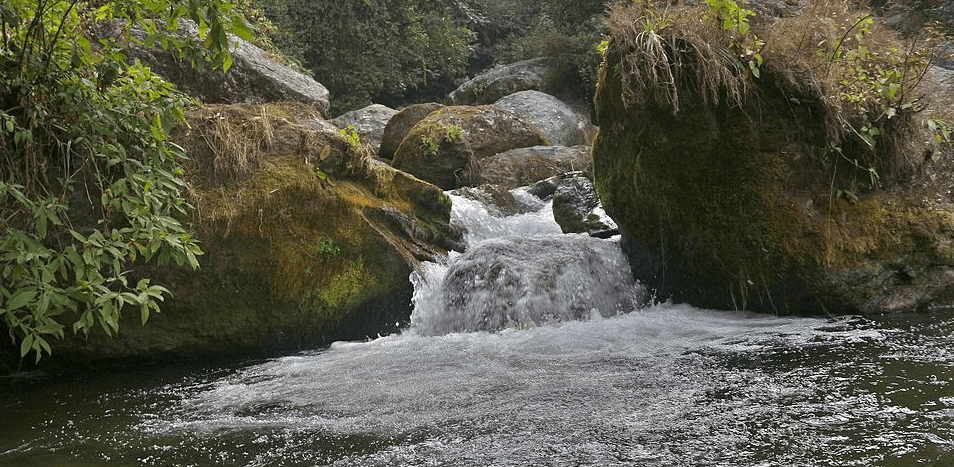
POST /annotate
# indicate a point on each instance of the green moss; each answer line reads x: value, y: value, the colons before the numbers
x: 725, y: 210
x: 345, y: 285
x: 442, y: 147
x: 293, y: 259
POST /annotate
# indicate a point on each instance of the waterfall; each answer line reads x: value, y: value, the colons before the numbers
x: 520, y: 271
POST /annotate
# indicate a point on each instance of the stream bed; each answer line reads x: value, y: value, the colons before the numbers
x: 512, y: 360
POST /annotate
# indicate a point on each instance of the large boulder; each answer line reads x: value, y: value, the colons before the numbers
x: 307, y: 241
x: 524, y: 166
x: 576, y: 206
x: 491, y: 85
x: 254, y: 78
x: 743, y: 203
x: 402, y: 122
x: 445, y: 147
x: 369, y: 122
x: 556, y: 120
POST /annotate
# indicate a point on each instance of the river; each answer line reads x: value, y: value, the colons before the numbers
x: 525, y: 352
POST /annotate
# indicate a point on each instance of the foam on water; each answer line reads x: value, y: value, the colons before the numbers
x: 666, y: 385
x: 572, y: 372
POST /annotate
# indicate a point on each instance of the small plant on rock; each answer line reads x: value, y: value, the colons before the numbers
x: 354, y: 139
x: 453, y: 132
x: 327, y: 248
x: 429, y: 146
x: 735, y: 21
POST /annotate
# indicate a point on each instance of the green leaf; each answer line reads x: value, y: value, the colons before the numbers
x: 44, y: 345
x: 26, y: 345
x: 41, y: 226
x: 227, y: 63
x: 42, y: 305
x: 51, y: 327
x: 244, y: 30
x: 193, y: 262
x: 20, y: 299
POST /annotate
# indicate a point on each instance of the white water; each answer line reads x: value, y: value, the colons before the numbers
x: 621, y: 384
x: 521, y: 271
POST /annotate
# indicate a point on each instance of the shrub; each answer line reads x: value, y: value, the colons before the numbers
x: 89, y: 183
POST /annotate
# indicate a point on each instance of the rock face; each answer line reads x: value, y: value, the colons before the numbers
x: 307, y: 241
x: 254, y: 78
x: 402, y: 122
x: 445, y: 147
x: 724, y: 211
x: 523, y: 166
x: 502, y: 81
x: 556, y: 120
x: 576, y: 206
x: 368, y: 122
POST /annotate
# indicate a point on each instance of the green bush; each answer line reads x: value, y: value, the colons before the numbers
x: 89, y: 182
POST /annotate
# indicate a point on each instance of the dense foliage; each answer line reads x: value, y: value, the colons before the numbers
x: 377, y: 51
x: 566, y: 30
x: 398, y: 51
x: 89, y: 182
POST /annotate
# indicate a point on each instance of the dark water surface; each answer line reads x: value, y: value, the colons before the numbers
x: 668, y: 385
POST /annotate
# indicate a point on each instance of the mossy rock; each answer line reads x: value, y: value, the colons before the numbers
x: 400, y: 124
x: 733, y: 206
x: 502, y: 81
x: 525, y: 166
x: 307, y: 240
x: 445, y: 146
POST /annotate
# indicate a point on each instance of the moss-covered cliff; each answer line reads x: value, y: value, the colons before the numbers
x: 735, y: 198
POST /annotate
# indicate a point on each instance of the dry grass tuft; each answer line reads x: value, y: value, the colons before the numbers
x: 667, y: 52
x: 237, y: 137
x: 864, y: 75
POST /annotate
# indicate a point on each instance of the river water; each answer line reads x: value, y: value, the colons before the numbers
x: 526, y: 352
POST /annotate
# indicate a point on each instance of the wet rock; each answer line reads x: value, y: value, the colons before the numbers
x: 448, y: 144
x: 307, y: 240
x: 520, y: 282
x: 501, y: 81
x: 500, y: 201
x: 576, y: 206
x: 369, y: 122
x: 556, y: 120
x: 402, y: 122
x: 523, y: 166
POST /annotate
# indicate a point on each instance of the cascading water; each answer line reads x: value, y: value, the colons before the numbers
x: 577, y: 371
x: 521, y: 271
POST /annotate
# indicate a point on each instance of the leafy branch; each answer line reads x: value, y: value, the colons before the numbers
x: 90, y: 184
